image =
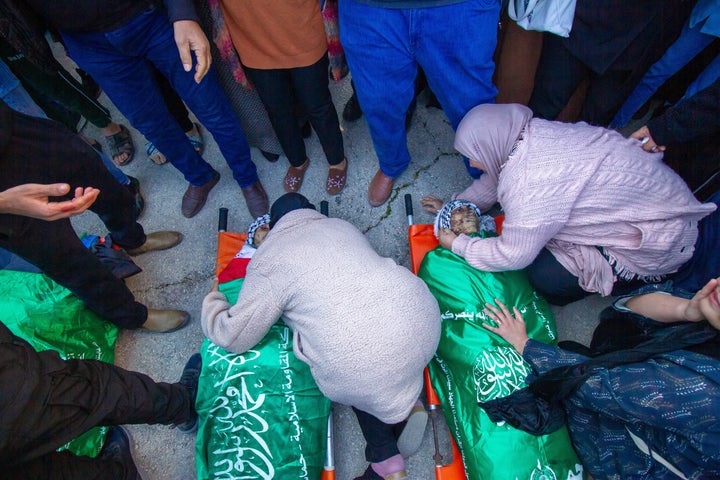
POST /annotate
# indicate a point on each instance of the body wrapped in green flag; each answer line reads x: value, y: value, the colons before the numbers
x: 261, y: 415
x: 472, y: 364
x: 49, y: 317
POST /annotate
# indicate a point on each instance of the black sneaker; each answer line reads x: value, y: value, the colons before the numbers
x: 189, y: 379
x: 134, y: 187
x: 118, y: 449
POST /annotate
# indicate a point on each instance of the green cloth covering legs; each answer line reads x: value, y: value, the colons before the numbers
x: 50, y: 317
x: 473, y: 364
x: 261, y: 415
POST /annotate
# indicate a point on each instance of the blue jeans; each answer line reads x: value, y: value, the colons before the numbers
x: 15, y: 96
x: 117, y: 60
x: 454, y: 44
x: 690, y: 43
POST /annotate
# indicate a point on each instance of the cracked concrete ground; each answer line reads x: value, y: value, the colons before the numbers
x: 180, y: 278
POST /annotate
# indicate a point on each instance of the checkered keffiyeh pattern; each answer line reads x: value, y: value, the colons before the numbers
x: 257, y: 223
x: 442, y: 220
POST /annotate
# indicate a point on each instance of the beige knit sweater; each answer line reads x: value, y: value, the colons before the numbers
x: 574, y: 187
x: 365, y: 325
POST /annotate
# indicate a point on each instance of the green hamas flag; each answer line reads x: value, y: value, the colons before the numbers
x: 473, y: 364
x: 261, y: 415
x: 49, y: 317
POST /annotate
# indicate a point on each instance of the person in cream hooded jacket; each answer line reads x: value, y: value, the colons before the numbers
x: 366, y: 326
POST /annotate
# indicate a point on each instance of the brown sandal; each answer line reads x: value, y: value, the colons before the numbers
x: 294, y: 177
x: 337, y: 176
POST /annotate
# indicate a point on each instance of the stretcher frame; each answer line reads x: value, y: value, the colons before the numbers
x: 421, y: 239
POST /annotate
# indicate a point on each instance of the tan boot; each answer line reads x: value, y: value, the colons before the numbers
x: 157, y: 241
x: 165, y: 321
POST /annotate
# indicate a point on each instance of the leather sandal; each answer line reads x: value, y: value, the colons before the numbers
x: 337, y: 176
x: 294, y: 177
x: 121, y: 142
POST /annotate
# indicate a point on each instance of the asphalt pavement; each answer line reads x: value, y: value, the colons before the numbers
x: 180, y: 277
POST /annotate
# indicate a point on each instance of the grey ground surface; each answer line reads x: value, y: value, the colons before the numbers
x: 180, y: 278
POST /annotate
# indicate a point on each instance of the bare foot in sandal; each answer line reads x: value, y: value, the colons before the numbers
x: 121, y: 145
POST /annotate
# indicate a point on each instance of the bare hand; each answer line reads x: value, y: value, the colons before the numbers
x: 446, y: 237
x: 215, y: 286
x: 32, y: 200
x: 646, y: 141
x: 431, y: 204
x: 692, y: 311
x: 189, y: 37
x: 511, y: 328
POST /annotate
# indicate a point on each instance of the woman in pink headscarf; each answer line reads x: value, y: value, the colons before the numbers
x: 585, y: 209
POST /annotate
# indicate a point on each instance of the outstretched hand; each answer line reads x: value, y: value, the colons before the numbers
x: 32, y: 200
x: 190, y: 39
x: 692, y: 311
x: 431, y: 204
x: 646, y: 141
x: 510, y: 327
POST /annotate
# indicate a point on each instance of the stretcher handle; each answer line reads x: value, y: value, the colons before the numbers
x: 324, y: 207
x: 222, y: 219
x: 409, y: 208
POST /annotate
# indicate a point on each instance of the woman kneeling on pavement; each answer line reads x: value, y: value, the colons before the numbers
x: 585, y: 209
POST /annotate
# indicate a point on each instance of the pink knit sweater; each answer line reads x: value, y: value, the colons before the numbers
x: 573, y: 187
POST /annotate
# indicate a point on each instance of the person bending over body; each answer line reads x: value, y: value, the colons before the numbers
x: 585, y: 209
x: 669, y: 402
x: 351, y: 312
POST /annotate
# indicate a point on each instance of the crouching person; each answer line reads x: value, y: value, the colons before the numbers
x: 647, y: 404
x: 366, y: 326
x: 47, y: 401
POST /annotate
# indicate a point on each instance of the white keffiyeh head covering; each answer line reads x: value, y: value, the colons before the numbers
x: 442, y: 219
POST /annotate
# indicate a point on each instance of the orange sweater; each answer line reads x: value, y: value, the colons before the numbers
x: 273, y: 34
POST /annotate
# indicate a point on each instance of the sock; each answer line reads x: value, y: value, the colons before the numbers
x: 390, y: 465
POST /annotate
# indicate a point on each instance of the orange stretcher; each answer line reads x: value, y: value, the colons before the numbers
x: 421, y: 238
x: 229, y: 244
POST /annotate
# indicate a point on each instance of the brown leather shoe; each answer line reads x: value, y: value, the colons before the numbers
x: 256, y: 199
x: 165, y: 321
x: 157, y: 241
x: 337, y: 176
x: 294, y: 177
x: 195, y: 197
x: 380, y: 189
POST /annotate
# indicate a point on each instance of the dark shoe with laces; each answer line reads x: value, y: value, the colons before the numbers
x: 195, y: 196
x: 134, y: 187
x: 118, y: 449
x: 189, y: 379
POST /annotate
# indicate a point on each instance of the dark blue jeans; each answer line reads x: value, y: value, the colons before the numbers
x: 454, y: 45
x: 118, y: 61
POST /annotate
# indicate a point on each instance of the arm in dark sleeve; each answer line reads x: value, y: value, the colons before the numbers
x: 693, y: 118
x: 543, y: 357
x: 181, y: 10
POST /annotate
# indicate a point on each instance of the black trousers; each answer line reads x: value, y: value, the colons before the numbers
x: 46, y: 401
x: 43, y: 151
x: 281, y: 89
x: 380, y: 438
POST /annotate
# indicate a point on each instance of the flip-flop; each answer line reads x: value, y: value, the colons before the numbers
x: 155, y: 155
x: 197, y: 140
x: 120, y: 143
